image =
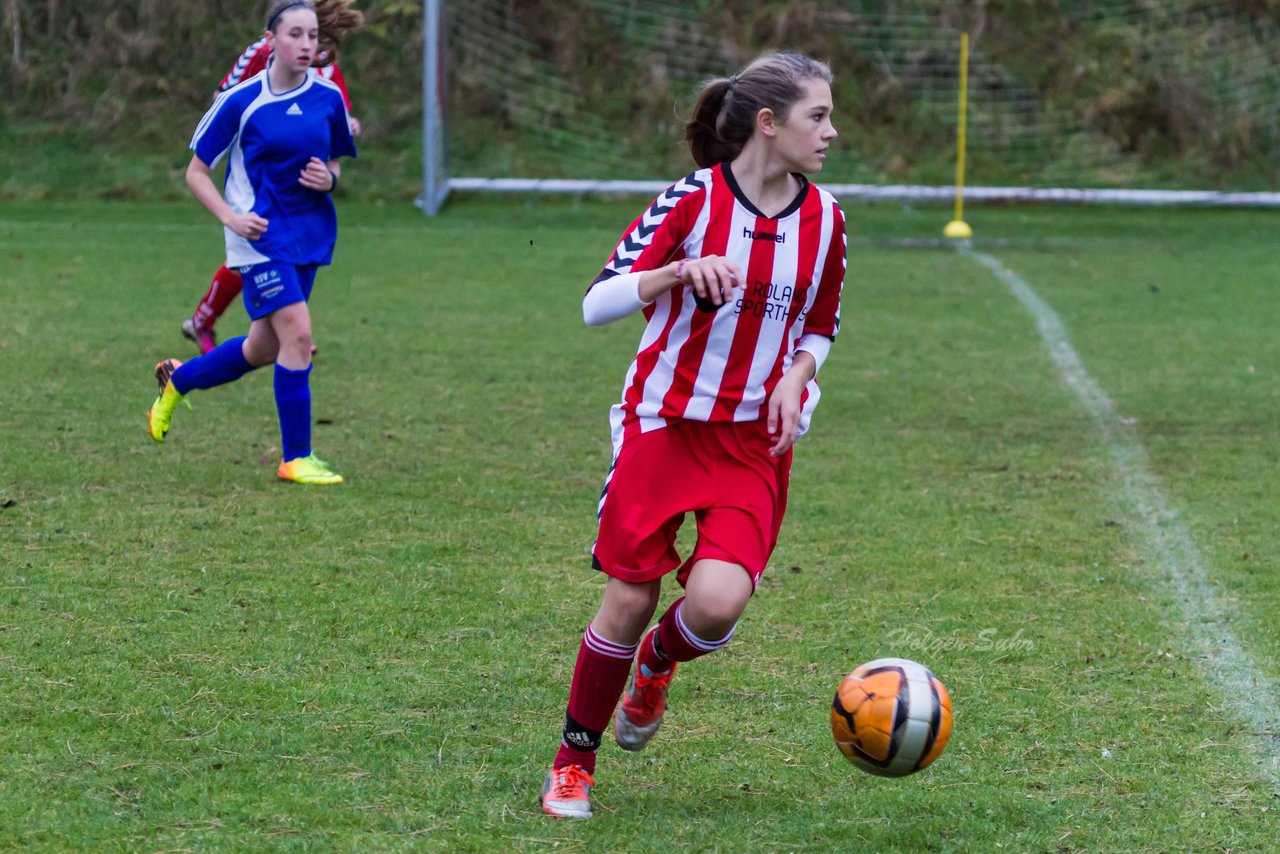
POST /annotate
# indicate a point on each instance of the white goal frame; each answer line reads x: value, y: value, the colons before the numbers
x: 438, y: 183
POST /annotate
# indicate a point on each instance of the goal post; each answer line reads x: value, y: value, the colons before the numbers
x: 435, y: 136
x: 538, y: 129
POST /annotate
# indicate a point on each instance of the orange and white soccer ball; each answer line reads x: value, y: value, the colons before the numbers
x: 891, y: 717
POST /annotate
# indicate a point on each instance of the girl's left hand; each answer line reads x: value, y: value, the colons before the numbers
x: 784, y: 404
x: 316, y: 176
x: 784, y: 413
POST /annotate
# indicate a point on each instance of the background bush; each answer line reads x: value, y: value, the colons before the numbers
x: 101, y: 95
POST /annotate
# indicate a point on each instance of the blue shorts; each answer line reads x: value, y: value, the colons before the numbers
x: 271, y: 285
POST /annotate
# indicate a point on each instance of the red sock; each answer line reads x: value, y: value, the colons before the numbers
x: 598, y: 679
x: 224, y: 288
x: 677, y: 642
x: 649, y: 657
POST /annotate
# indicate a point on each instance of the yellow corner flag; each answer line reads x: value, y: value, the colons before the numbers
x: 958, y: 229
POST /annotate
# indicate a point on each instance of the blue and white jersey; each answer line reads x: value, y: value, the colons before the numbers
x: 270, y: 137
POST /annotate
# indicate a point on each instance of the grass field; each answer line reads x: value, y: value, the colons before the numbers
x: 197, y: 657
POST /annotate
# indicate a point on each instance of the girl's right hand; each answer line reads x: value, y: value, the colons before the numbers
x: 247, y: 225
x: 712, y: 278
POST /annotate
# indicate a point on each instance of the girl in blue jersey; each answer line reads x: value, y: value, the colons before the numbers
x: 283, y: 131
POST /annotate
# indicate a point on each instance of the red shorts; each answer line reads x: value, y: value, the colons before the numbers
x: 721, y: 472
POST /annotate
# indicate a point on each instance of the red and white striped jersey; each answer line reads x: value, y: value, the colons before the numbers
x: 255, y: 58
x: 723, y: 365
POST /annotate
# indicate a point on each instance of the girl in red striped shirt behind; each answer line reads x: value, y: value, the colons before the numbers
x: 737, y: 269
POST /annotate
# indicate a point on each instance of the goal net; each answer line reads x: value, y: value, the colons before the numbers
x: 1169, y: 101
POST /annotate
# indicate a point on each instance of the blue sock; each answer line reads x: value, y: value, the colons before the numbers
x: 293, y: 403
x: 223, y: 364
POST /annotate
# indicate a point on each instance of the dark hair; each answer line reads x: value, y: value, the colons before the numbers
x: 279, y: 7
x: 724, y: 116
x: 336, y: 19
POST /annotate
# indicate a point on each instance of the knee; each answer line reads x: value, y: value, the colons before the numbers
x: 712, y: 617
x: 258, y: 355
x: 299, y: 339
x: 626, y: 610
x: 636, y: 601
x: 292, y: 327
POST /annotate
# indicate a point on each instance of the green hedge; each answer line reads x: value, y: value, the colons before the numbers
x: 102, y: 95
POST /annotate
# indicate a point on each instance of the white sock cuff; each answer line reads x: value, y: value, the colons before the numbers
x: 609, y: 649
x: 697, y: 642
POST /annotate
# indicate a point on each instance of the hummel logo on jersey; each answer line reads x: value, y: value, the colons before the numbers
x: 294, y: 110
x: 748, y: 234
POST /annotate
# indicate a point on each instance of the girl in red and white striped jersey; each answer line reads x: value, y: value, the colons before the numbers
x: 737, y: 269
x: 336, y: 18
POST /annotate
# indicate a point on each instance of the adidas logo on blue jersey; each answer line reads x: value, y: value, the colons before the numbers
x: 294, y: 110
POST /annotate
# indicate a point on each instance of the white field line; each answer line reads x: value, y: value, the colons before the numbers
x: 1243, y: 686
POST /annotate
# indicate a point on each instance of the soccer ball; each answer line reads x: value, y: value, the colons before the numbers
x: 891, y: 717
